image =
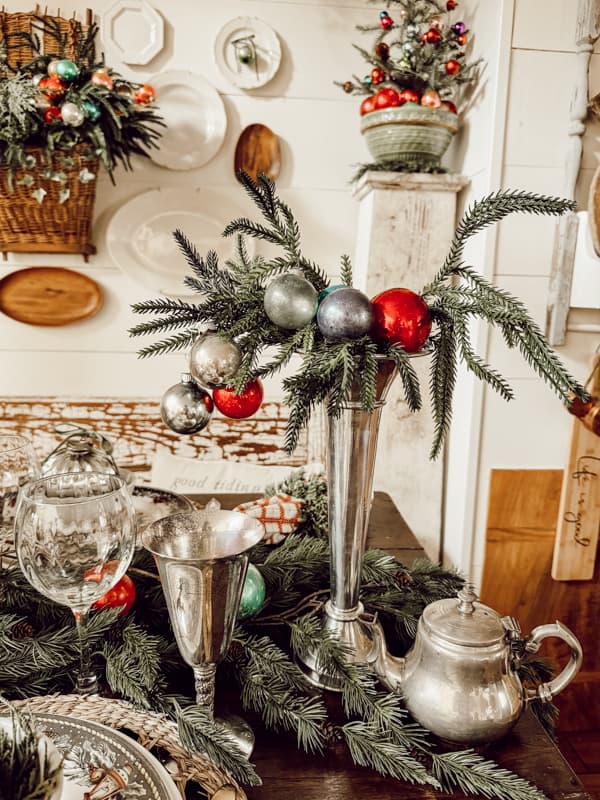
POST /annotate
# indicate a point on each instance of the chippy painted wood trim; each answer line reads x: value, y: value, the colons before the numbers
x: 587, y: 31
x: 135, y: 429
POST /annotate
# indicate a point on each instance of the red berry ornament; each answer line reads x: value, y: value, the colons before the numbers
x: 452, y: 67
x: 239, y: 406
x: 449, y: 106
x: 377, y: 75
x: 386, y: 22
x: 54, y: 87
x: 401, y: 317
x: 367, y: 105
x: 121, y: 594
x: 52, y: 114
x: 382, y: 51
x: 408, y: 96
x: 432, y: 36
x: 451, y: 5
x: 387, y: 98
x: 577, y: 406
x: 145, y: 95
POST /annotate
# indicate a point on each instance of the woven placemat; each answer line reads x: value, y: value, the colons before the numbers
x: 151, y: 729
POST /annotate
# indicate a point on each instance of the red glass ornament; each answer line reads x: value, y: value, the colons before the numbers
x: 102, y: 78
x: 577, y: 406
x: 401, y: 317
x: 54, y: 87
x: 462, y: 39
x: 449, y: 106
x: 145, y: 95
x: 432, y: 36
x: 408, y: 96
x: 387, y: 98
x: 239, y: 406
x: 121, y: 594
x: 52, y: 114
x: 451, y: 5
x: 452, y: 67
x: 377, y: 75
x: 382, y: 51
x: 386, y: 23
x: 367, y: 105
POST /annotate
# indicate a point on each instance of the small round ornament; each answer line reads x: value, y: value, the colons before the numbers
x: 452, y: 67
x: 122, y: 594
x: 367, y: 80
x: 244, y: 53
x: 37, y: 78
x: 348, y: 86
x: 383, y: 14
x: 124, y: 90
x: 451, y: 5
x: 405, y: 64
x: 386, y: 22
x: 459, y: 28
x: 401, y: 317
x: 449, y: 106
x: 382, y: 51
x: 430, y: 99
x: 52, y: 115
x: 387, y: 97
x: 367, y: 105
x: 329, y: 290
x: 72, y: 114
x: 239, y: 406
x: 51, y: 69
x: 214, y: 360
x: 254, y: 593
x: 412, y: 30
x: 409, y: 47
x: 52, y: 86
x: 42, y: 101
x: 345, y: 313
x: 462, y: 39
x: 577, y: 406
x: 145, y: 95
x: 102, y: 78
x: 185, y: 407
x: 377, y: 75
x: 67, y: 70
x: 290, y: 301
x: 432, y: 36
x: 92, y: 111
x: 408, y: 96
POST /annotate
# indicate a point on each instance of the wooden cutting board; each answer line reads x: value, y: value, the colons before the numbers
x: 49, y: 296
x: 257, y: 151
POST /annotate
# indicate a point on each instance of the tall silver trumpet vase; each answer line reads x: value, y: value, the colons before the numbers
x: 202, y: 558
x: 352, y: 447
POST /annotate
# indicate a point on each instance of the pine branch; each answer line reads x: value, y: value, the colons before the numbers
x: 408, y: 376
x: 170, y: 345
x: 346, y: 273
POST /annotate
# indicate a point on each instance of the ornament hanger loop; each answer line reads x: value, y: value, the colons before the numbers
x: 245, y: 52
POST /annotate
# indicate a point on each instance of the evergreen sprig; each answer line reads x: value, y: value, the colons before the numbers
x: 332, y: 371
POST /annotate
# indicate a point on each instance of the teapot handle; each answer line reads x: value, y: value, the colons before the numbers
x: 546, y: 691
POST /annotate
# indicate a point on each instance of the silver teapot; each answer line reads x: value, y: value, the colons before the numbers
x: 460, y: 679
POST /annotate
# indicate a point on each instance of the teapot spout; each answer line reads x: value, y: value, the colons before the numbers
x: 389, y: 669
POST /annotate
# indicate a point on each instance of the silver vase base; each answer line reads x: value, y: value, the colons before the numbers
x: 238, y: 730
x: 346, y: 627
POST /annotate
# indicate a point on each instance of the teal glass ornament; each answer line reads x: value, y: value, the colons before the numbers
x: 329, y: 290
x: 254, y: 593
x: 92, y: 111
x: 67, y: 70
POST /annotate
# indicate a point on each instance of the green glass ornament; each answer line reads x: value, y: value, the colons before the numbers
x: 67, y: 70
x: 290, y: 301
x: 253, y: 593
x: 92, y: 111
x: 329, y: 290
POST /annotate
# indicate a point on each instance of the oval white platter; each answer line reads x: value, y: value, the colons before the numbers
x: 195, y: 117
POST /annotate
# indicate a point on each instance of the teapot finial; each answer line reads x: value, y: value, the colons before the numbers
x: 467, y: 599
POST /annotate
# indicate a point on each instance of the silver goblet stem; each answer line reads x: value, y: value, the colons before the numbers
x: 204, y: 678
x: 87, y: 680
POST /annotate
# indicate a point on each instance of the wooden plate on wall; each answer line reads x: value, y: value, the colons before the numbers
x: 49, y: 296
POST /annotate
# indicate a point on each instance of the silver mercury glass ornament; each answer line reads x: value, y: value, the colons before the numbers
x: 290, y: 301
x: 214, y: 360
x: 345, y: 313
x: 72, y: 114
x: 186, y: 407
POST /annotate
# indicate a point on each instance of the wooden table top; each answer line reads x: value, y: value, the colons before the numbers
x: 288, y: 772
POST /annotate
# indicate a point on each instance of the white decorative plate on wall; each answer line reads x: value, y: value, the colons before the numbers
x: 140, y: 236
x: 134, y: 30
x: 195, y: 117
x: 247, y: 52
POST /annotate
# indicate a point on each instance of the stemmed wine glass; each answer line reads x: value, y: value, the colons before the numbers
x: 18, y: 466
x: 74, y: 537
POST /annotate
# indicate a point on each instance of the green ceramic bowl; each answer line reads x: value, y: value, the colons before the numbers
x: 408, y: 132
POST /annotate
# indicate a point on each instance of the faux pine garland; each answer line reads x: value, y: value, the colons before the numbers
x: 233, y: 304
x: 139, y: 661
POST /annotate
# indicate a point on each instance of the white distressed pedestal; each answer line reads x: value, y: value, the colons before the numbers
x: 405, y: 225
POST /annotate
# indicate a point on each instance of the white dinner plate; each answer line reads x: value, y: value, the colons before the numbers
x: 195, y: 117
x: 266, y: 47
x: 140, y: 236
x: 99, y: 761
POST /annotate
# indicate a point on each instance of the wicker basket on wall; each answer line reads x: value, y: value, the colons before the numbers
x: 27, y: 226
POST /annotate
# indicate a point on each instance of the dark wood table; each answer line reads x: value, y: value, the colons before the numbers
x: 288, y: 772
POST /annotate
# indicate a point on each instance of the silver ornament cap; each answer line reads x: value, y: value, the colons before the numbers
x: 186, y: 407
x: 345, y: 313
x: 290, y: 301
x: 214, y: 360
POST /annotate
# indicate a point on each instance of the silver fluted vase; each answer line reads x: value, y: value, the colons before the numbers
x: 352, y: 447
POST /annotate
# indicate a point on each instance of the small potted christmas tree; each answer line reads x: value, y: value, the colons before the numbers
x: 417, y: 77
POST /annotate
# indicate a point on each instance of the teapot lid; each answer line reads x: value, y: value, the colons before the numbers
x: 464, y: 621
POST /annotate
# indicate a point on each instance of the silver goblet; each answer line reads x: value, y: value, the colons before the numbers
x: 202, y: 558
